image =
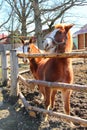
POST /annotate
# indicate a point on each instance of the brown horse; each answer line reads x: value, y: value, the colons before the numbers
x: 25, y: 44
x: 55, y: 69
x: 34, y: 62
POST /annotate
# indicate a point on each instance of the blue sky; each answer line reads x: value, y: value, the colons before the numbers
x: 76, y: 15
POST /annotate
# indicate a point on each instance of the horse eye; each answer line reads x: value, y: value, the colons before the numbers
x: 28, y: 49
x: 42, y: 41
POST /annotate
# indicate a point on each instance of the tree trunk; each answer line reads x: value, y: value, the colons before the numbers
x: 38, y: 25
x: 23, y: 28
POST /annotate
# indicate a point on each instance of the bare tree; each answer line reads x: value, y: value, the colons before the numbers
x: 40, y: 12
x: 51, y: 12
x: 22, y: 10
x: 58, y: 9
x: 6, y: 21
x: 37, y: 19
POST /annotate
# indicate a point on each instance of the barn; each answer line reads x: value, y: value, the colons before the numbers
x: 80, y: 38
x: 3, y: 38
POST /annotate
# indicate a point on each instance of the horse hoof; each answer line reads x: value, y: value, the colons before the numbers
x: 45, y: 117
x: 74, y: 125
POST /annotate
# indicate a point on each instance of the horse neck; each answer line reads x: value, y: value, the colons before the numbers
x: 69, y: 43
x: 65, y: 61
x: 34, y: 61
x: 33, y: 65
x: 37, y: 60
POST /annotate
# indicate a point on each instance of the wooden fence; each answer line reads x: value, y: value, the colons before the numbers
x: 54, y: 85
x: 15, y: 76
x: 4, y: 66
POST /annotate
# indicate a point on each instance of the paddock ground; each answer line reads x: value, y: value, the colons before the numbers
x: 15, y: 117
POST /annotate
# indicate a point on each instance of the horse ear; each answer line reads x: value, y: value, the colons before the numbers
x: 67, y: 27
x: 22, y: 40
x: 30, y: 40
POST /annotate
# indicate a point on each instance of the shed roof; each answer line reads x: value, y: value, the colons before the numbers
x: 81, y: 31
x: 3, y: 38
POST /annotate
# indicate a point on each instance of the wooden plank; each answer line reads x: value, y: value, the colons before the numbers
x: 23, y: 80
x: 7, y: 46
x: 59, y: 55
x: 4, y: 47
x: 55, y: 85
x: 52, y: 113
x: 4, y: 67
x: 24, y: 71
x: 1, y: 47
x: 14, y: 72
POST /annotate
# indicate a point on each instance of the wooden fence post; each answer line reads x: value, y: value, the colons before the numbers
x: 14, y: 73
x: 4, y: 67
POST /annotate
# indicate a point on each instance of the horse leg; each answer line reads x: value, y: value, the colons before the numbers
x: 42, y: 91
x: 53, y: 97
x: 66, y: 101
x: 48, y: 92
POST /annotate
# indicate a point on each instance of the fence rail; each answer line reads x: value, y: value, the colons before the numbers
x: 56, y: 114
x: 54, y: 85
x: 4, y: 47
x: 59, y: 55
x: 15, y: 76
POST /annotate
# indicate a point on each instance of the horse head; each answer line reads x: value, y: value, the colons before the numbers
x: 25, y: 44
x: 33, y: 49
x: 59, y: 40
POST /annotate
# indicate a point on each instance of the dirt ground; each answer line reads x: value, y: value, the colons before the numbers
x: 15, y: 117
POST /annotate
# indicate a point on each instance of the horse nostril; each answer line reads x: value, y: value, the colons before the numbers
x: 47, y: 45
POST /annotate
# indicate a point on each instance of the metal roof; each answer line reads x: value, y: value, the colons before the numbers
x: 81, y: 31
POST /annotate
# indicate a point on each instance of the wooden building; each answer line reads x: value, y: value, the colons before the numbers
x: 4, y: 39
x: 80, y: 38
